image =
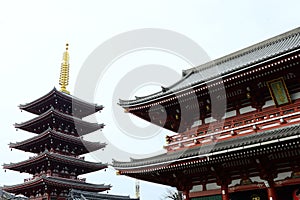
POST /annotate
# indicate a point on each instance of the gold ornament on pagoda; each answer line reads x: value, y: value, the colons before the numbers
x: 64, y: 71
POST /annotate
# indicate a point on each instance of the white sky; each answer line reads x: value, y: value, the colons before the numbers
x: 33, y: 35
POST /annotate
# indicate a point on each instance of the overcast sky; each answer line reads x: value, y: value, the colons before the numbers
x: 33, y: 35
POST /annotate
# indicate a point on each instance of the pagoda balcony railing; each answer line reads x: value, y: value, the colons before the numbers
x: 248, y: 123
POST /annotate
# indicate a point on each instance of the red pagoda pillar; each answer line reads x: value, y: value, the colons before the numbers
x: 186, y: 194
x: 271, y: 191
x: 224, y: 191
x: 185, y: 187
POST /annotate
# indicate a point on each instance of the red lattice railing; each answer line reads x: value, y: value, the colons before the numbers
x: 248, y: 123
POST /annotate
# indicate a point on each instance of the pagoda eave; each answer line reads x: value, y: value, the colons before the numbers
x: 46, y: 183
x: 73, y: 105
x: 51, y: 138
x: 54, y: 120
x: 48, y: 159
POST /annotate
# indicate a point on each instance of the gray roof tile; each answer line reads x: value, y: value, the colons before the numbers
x: 268, y: 49
x: 235, y: 142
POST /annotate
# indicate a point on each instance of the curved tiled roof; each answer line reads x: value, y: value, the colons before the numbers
x: 49, y: 156
x: 87, y: 126
x: 57, y: 181
x: 91, y: 146
x: 89, y: 108
x: 288, y: 132
x: 248, y: 57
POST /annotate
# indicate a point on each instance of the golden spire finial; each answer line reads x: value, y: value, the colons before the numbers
x: 64, y: 71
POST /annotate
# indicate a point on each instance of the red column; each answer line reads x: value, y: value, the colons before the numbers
x: 271, y: 193
x: 204, y: 187
x: 186, y: 193
x: 271, y: 190
x: 224, y: 191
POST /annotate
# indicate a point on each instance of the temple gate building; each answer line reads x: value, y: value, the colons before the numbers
x: 237, y: 127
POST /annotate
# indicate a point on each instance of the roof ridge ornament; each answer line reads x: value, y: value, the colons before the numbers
x: 64, y: 71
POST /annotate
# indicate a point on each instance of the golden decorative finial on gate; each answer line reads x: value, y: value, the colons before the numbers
x: 64, y: 71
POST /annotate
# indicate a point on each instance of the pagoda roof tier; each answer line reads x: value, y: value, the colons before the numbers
x: 244, y: 142
x: 50, y: 139
x: 223, y: 67
x: 59, y: 121
x: 49, y: 160
x: 85, y: 195
x: 63, y: 102
x: 55, y: 182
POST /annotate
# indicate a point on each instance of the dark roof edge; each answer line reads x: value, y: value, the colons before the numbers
x: 26, y: 105
x: 47, y: 154
x: 166, y: 89
x: 45, y: 178
x: 183, y: 153
x: 56, y: 112
x: 71, y: 97
x: 50, y: 131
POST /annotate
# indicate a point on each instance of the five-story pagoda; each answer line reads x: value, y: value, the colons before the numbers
x: 58, y: 144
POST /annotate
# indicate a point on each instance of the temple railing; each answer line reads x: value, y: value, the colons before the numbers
x: 248, y: 123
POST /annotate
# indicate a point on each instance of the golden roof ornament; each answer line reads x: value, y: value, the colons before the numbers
x: 64, y: 71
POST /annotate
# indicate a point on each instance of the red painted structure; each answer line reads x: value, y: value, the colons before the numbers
x: 237, y: 124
